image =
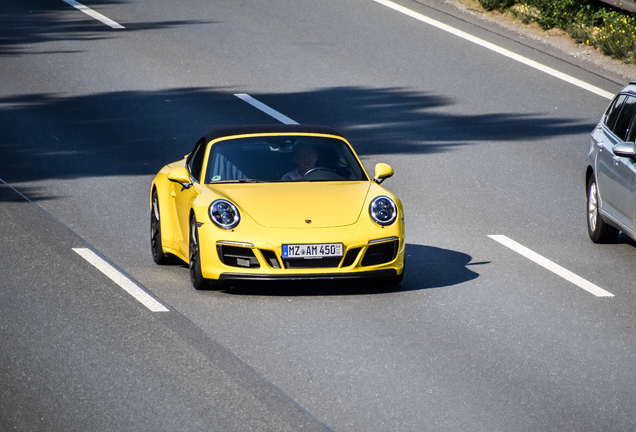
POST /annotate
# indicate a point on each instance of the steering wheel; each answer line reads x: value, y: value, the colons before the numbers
x: 316, y: 169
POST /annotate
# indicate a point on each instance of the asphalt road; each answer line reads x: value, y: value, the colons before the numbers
x: 477, y: 338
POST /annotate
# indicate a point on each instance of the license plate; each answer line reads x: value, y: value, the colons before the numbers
x: 309, y: 251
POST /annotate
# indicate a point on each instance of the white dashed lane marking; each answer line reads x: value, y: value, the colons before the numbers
x: 553, y: 267
x: 93, y: 14
x: 536, y: 65
x: 264, y: 108
x: 129, y: 286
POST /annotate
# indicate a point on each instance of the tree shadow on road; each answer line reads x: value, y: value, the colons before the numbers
x: 128, y: 133
x: 26, y: 24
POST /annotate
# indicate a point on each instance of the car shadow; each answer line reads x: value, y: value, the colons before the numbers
x: 426, y: 267
x: 625, y: 239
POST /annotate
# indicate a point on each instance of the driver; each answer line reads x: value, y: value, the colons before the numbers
x: 305, y: 157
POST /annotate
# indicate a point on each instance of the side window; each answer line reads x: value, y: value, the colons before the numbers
x: 613, y: 111
x: 624, y: 121
x: 195, y: 163
x: 631, y: 133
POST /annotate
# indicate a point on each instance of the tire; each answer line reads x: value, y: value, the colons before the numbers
x: 397, y: 279
x: 599, y: 230
x: 196, y: 276
x: 156, y: 246
x: 393, y: 281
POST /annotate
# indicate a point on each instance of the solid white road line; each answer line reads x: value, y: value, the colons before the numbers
x: 549, y: 265
x: 267, y: 110
x: 121, y: 280
x: 497, y: 49
x: 90, y: 12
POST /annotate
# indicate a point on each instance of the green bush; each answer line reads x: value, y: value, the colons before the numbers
x: 561, y: 13
x: 526, y: 13
x: 615, y: 36
x: 496, y: 4
x: 610, y: 30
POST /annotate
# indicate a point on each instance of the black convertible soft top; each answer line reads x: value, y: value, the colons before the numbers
x: 258, y: 129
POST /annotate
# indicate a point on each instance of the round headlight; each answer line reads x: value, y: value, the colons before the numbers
x: 383, y: 211
x: 224, y: 214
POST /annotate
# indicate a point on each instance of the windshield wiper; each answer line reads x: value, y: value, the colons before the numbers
x: 237, y: 181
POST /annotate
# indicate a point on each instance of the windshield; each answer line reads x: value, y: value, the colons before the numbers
x: 282, y: 158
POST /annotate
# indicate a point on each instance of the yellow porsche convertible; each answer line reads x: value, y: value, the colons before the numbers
x: 281, y: 202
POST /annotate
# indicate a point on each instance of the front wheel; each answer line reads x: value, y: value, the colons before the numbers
x: 397, y: 279
x: 196, y: 276
x: 156, y: 245
x: 599, y: 230
x: 393, y: 281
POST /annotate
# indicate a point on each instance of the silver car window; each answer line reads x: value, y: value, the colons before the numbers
x: 631, y: 133
x: 613, y: 111
x: 624, y: 120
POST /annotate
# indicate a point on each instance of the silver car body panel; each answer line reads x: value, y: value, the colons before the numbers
x: 615, y: 176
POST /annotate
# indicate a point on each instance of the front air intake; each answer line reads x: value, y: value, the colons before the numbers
x: 235, y: 256
x: 380, y: 253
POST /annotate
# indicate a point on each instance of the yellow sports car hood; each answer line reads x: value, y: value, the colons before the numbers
x: 299, y: 204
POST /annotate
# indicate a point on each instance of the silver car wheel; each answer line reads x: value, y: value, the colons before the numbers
x: 592, y: 207
x: 599, y: 230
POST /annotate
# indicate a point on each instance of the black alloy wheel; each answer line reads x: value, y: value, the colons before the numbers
x: 156, y: 246
x: 196, y: 276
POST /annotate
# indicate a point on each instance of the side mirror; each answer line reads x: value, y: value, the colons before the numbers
x: 181, y: 176
x: 626, y: 149
x: 382, y: 172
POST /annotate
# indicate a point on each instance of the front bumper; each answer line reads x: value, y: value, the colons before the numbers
x: 372, y: 274
x: 379, y: 255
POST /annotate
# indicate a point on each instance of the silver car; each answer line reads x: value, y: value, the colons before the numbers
x: 611, y: 171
